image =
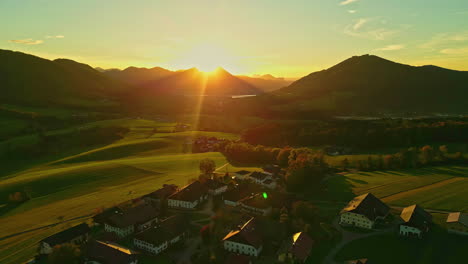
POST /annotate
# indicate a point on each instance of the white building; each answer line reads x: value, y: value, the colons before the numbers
x: 133, y: 220
x: 246, y: 240
x: 269, y: 183
x: 158, y: 238
x: 189, y: 197
x: 74, y: 235
x: 457, y: 223
x: 215, y: 187
x: 260, y: 177
x: 363, y: 211
x: 242, y: 174
x: 416, y: 221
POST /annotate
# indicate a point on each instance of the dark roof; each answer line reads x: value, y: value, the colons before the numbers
x: 271, y: 168
x: 190, y: 192
x: 237, y: 259
x: 109, y: 253
x: 164, y: 192
x: 136, y: 215
x: 259, y: 175
x: 67, y: 235
x: 269, y: 181
x: 415, y: 216
x: 458, y: 218
x: 246, y: 234
x: 213, y: 185
x: 242, y: 172
x: 368, y: 205
x: 301, y: 246
x: 166, y: 230
x: 256, y: 201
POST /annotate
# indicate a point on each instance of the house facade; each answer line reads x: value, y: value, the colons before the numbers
x: 457, y: 223
x: 158, y: 238
x: 132, y: 220
x: 246, y: 240
x: 363, y: 211
x: 416, y: 222
x: 75, y: 235
x: 189, y: 197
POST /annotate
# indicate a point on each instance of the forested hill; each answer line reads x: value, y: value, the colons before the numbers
x: 370, y: 83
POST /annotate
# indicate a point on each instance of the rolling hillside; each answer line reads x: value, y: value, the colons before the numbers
x: 30, y: 80
x: 138, y: 76
x: 369, y: 83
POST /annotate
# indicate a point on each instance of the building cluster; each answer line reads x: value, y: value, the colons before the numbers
x: 207, y: 144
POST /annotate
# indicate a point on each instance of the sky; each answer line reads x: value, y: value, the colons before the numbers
x: 285, y: 38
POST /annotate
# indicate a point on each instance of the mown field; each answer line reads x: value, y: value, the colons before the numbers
x: 74, y: 186
x: 440, y: 188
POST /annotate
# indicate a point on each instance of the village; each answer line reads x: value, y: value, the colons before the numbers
x: 237, y: 218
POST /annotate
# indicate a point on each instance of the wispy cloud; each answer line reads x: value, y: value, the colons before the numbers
x: 360, y: 22
x: 445, y: 40
x: 392, y: 47
x: 352, y: 11
x: 347, y: 2
x: 27, y: 41
x: 370, y: 28
x: 55, y: 37
x: 455, y: 51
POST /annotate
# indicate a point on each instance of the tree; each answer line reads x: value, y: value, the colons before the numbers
x: 65, y: 253
x: 207, y: 166
x: 283, y: 156
x: 427, y: 153
x: 345, y: 164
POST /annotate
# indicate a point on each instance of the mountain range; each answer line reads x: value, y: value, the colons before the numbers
x: 359, y: 84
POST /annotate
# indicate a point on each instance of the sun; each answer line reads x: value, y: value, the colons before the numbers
x: 207, y: 58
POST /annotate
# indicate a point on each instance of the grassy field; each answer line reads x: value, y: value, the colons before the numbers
x: 437, y: 247
x: 76, y: 185
x: 443, y: 188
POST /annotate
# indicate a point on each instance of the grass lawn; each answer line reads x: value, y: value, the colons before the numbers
x: 443, y: 188
x: 437, y: 247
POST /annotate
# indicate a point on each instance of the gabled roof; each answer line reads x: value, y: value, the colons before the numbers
x: 213, y: 185
x: 190, y: 193
x: 164, y: 192
x: 136, y: 215
x: 416, y: 216
x: 256, y: 201
x: 246, y: 234
x: 166, y: 230
x: 261, y: 176
x: 67, y: 235
x: 109, y: 253
x: 301, y: 246
x: 458, y: 218
x: 367, y: 205
x: 242, y: 172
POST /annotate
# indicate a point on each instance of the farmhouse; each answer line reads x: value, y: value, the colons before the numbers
x: 161, y: 194
x: 215, y: 187
x: 269, y: 183
x: 75, y: 235
x: 98, y: 252
x: 246, y: 240
x: 259, y: 177
x: 416, y: 221
x: 256, y: 204
x: 457, y: 223
x: 297, y: 249
x: 133, y: 220
x: 160, y: 237
x: 189, y: 197
x: 242, y: 174
x: 363, y: 211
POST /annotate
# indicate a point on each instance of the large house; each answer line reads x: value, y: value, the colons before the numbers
x: 245, y: 240
x: 363, y: 211
x: 256, y: 204
x: 259, y: 177
x: 161, y: 194
x: 189, y: 197
x: 215, y: 187
x: 416, y: 221
x: 132, y: 220
x: 297, y: 249
x: 242, y: 174
x: 98, y: 252
x: 160, y: 237
x: 457, y: 223
x: 76, y: 235
x: 269, y: 183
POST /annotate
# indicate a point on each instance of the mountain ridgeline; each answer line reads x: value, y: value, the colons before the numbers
x: 369, y: 83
